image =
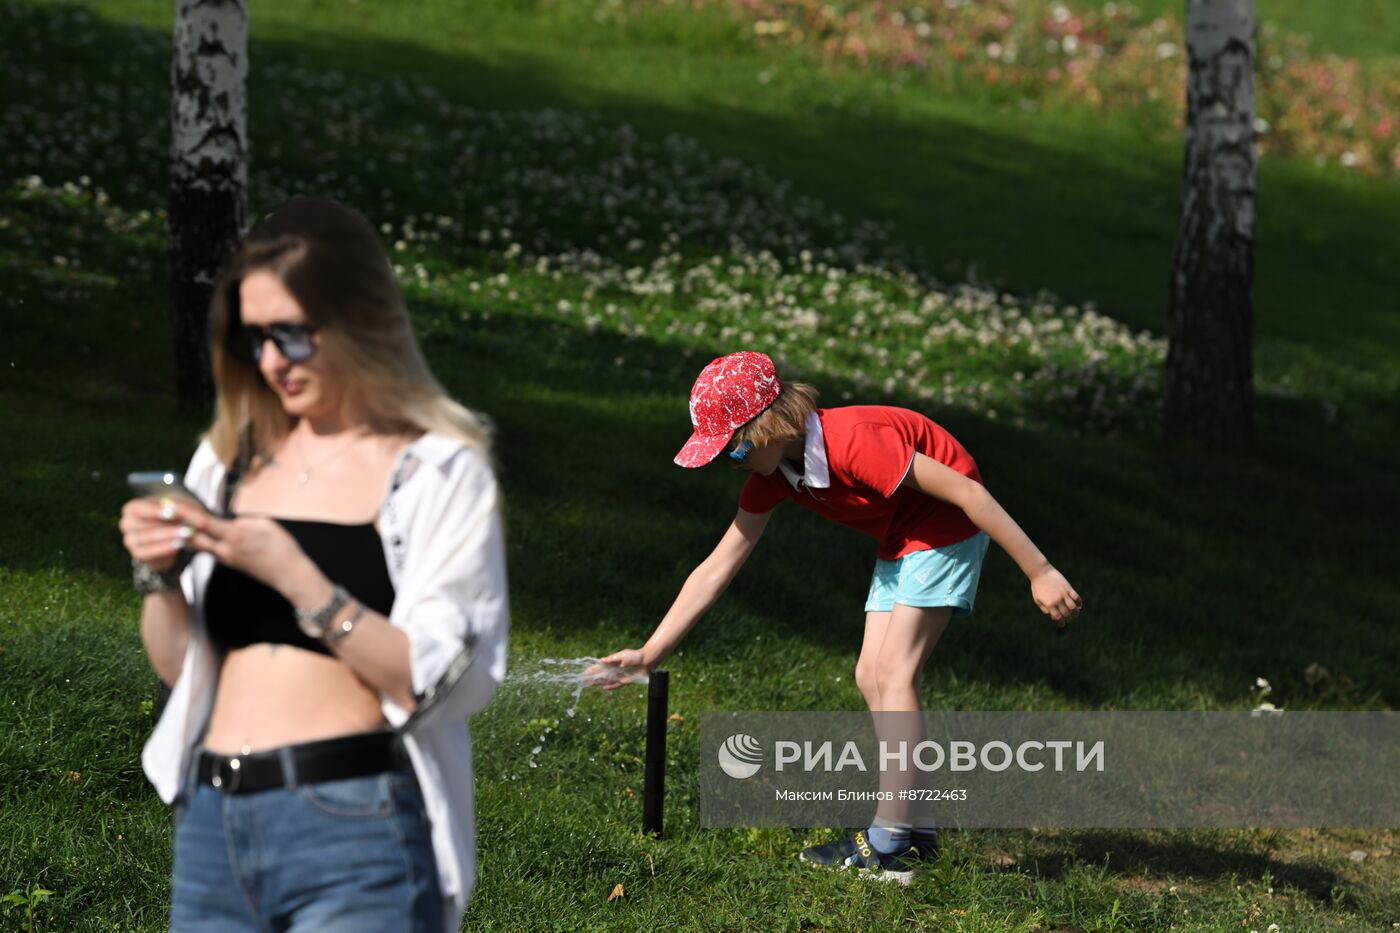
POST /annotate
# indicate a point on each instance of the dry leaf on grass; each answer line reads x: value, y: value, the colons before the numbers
x: 616, y: 894
x: 1001, y: 859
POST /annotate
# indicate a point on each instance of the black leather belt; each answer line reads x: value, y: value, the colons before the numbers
x: 350, y: 756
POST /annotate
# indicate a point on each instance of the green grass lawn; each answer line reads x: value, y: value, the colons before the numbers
x: 587, y: 213
x: 1364, y: 29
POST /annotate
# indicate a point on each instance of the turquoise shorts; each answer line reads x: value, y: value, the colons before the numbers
x: 941, y: 576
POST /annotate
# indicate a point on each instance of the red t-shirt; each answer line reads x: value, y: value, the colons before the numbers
x: 869, y: 449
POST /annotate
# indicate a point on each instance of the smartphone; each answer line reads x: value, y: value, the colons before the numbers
x: 162, y: 484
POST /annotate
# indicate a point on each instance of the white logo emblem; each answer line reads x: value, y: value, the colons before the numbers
x: 741, y: 756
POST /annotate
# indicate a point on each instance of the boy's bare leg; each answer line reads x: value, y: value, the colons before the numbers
x: 896, y: 646
x: 876, y: 623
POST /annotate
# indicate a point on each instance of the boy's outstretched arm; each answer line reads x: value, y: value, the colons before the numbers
x: 702, y: 588
x: 1050, y: 590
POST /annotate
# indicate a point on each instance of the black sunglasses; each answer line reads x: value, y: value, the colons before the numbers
x: 293, y: 340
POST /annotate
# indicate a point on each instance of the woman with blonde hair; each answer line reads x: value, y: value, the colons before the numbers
x: 352, y: 569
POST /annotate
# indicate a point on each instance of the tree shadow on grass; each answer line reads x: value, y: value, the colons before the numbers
x: 1184, y: 856
x: 1131, y: 853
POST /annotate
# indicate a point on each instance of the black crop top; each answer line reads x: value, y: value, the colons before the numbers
x: 240, y: 611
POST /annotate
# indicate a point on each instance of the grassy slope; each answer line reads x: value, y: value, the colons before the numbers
x: 1204, y: 570
x: 1047, y: 200
x: 1365, y: 29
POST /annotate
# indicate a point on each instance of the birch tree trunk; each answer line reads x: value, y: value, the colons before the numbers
x: 208, y: 172
x: 1209, y: 375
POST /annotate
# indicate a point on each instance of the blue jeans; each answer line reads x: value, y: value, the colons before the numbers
x: 352, y: 856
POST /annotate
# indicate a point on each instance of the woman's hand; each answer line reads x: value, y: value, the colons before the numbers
x: 152, y: 532
x: 618, y: 669
x: 259, y: 547
x: 1055, y: 597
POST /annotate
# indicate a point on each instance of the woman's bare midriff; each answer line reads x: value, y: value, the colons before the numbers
x: 272, y: 695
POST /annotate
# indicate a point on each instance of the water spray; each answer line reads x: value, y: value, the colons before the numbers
x: 566, y: 672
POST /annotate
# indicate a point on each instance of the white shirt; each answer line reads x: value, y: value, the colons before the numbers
x: 445, y: 550
x: 816, y: 472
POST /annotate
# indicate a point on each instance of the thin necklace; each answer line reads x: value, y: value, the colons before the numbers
x: 304, y: 476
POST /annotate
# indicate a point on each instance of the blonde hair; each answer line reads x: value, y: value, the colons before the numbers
x: 785, y: 419
x: 331, y: 260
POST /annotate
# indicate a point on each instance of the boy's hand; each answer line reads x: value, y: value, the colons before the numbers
x: 617, y: 670
x: 1055, y: 597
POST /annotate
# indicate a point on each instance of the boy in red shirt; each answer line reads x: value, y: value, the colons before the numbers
x: 886, y: 472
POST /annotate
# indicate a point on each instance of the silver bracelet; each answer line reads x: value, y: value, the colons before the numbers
x: 148, y: 581
x: 335, y: 633
x: 314, y: 622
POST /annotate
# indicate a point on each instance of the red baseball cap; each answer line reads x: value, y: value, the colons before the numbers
x: 728, y: 394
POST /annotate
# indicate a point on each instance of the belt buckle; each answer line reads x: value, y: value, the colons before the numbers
x: 234, y: 769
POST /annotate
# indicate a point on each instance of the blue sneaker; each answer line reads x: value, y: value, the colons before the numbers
x: 857, y: 852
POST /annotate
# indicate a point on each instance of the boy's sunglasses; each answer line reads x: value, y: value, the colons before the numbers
x: 293, y: 340
x: 740, y: 451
